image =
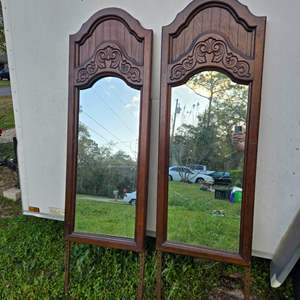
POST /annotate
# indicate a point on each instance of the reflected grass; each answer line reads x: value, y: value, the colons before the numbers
x: 100, y: 215
x: 192, y: 217
x: 195, y: 217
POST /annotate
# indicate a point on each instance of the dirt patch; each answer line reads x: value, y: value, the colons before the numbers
x: 226, y: 294
x: 230, y: 289
x: 9, y: 208
x: 8, y: 179
x: 7, y: 136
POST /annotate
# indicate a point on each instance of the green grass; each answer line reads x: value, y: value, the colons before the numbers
x: 31, y: 268
x: 6, y: 113
x: 112, y: 218
x: 191, y: 218
x: 4, y: 83
x: 7, y: 151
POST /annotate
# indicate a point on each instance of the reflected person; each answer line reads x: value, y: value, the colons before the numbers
x: 238, y: 138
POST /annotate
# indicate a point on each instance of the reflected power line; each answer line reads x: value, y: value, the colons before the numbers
x: 116, y: 114
x: 93, y: 119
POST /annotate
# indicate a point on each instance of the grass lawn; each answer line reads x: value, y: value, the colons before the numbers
x: 6, y: 113
x: 31, y: 267
x: 192, y: 218
x: 4, y: 83
x: 7, y: 151
x: 104, y: 216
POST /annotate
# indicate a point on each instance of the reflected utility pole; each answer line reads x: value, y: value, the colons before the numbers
x: 177, y: 111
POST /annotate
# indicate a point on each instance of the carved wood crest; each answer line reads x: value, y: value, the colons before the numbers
x: 109, y: 57
x: 211, y: 51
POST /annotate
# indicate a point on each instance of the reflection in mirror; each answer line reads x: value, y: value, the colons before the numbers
x: 207, y: 135
x: 108, y: 134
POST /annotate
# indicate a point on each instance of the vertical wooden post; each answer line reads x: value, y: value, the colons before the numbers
x: 140, y: 290
x: 159, y: 259
x: 68, y: 246
x: 247, y: 282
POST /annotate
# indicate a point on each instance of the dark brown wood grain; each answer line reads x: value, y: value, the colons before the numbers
x: 110, y: 43
x: 190, y: 44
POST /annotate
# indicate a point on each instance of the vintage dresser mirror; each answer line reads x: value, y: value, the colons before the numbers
x: 108, y: 125
x: 211, y: 73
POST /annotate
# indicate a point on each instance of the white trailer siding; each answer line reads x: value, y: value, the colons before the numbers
x: 37, y: 39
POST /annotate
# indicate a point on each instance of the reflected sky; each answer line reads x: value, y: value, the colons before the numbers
x: 110, y: 111
x: 190, y: 108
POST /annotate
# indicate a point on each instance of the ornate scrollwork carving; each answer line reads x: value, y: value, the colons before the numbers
x: 107, y: 58
x: 211, y: 51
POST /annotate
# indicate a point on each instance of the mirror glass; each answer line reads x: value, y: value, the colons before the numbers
x: 108, y: 132
x: 207, y: 139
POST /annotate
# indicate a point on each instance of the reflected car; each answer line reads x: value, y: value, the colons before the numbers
x: 221, y: 177
x: 130, y: 198
x: 198, y: 168
x: 181, y: 173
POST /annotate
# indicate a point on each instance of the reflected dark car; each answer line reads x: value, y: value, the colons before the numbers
x: 223, y: 178
x: 4, y: 74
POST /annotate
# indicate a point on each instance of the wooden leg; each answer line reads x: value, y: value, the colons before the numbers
x: 68, y: 246
x: 247, y: 283
x: 159, y: 259
x: 140, y: 290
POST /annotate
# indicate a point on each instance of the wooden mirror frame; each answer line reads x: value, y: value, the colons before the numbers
x: 221, y: 35
x: 110, y: 43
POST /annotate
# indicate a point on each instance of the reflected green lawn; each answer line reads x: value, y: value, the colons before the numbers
x: 192, y: 217
x: 102, y: 215
x: 195, y: 217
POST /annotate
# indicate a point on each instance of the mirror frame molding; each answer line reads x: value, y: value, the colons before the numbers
x: 96, y: 52
x: 213, y: 48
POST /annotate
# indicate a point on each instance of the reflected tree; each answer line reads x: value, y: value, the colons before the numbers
x: 101, y: 172
x: 209, y: 141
